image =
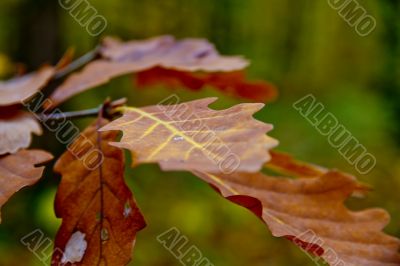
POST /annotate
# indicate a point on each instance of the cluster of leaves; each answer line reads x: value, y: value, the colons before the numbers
x: 100, y: 217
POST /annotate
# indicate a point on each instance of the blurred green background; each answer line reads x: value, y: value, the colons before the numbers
x: 301, y: 46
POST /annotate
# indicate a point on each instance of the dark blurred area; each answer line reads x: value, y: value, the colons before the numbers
x: 301, y: 46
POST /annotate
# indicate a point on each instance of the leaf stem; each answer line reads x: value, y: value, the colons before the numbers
x: 81, y: 61
x: 75, y: 114
x: 109, y: 109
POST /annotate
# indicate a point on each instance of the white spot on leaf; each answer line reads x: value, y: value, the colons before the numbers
x: 178, y: 138
x: 75, y: 248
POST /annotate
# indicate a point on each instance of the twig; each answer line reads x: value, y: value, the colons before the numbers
x: 74, y: 114
x: 81, y: 61
x: 109, y: 110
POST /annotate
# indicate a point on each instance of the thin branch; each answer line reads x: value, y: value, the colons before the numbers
x: 109, y: 110
x: 68, y: 115
x: 81, y: 61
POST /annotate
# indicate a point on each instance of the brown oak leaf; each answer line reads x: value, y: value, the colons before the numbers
x: 192, y: 136
x: 311, y: 212
x: 15, y: 131
x: 165, y: 51
x: 18, y: 170
x: 100, y: 216
x: 16, y: 90
x: 120, y: 58
x: 285, y: 163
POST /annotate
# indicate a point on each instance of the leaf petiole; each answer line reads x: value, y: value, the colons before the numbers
x: 110, y: 110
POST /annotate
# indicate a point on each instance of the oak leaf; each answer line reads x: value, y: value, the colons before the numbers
x: 18, y: 170
x: 311, y: 212
x: 100, y: 216
x: 192, y: 136
x: 232, y: 83
x: 286, y: 164
x: 165, y: 51
x: 18, y: 89
x: 16, y: 129
x: 120, y: 58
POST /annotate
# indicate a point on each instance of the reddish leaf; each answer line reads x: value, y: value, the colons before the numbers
x: 18, y: 170
x: 311, y: 212
x: 233, y: 83
x: 16, y: 90
x: 100, y: 216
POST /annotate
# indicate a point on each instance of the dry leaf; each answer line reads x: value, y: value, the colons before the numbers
x: 120, y: 58
x: 100, y: 216
x: 233, y: 83
x: 16, y: 90
x: 18, y: 170
x: 192, y: 136
x: 285, y: 163
x: 311, y: 212
x: 16, y: 130
x: 166, y: 52
x: 94, y: 74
